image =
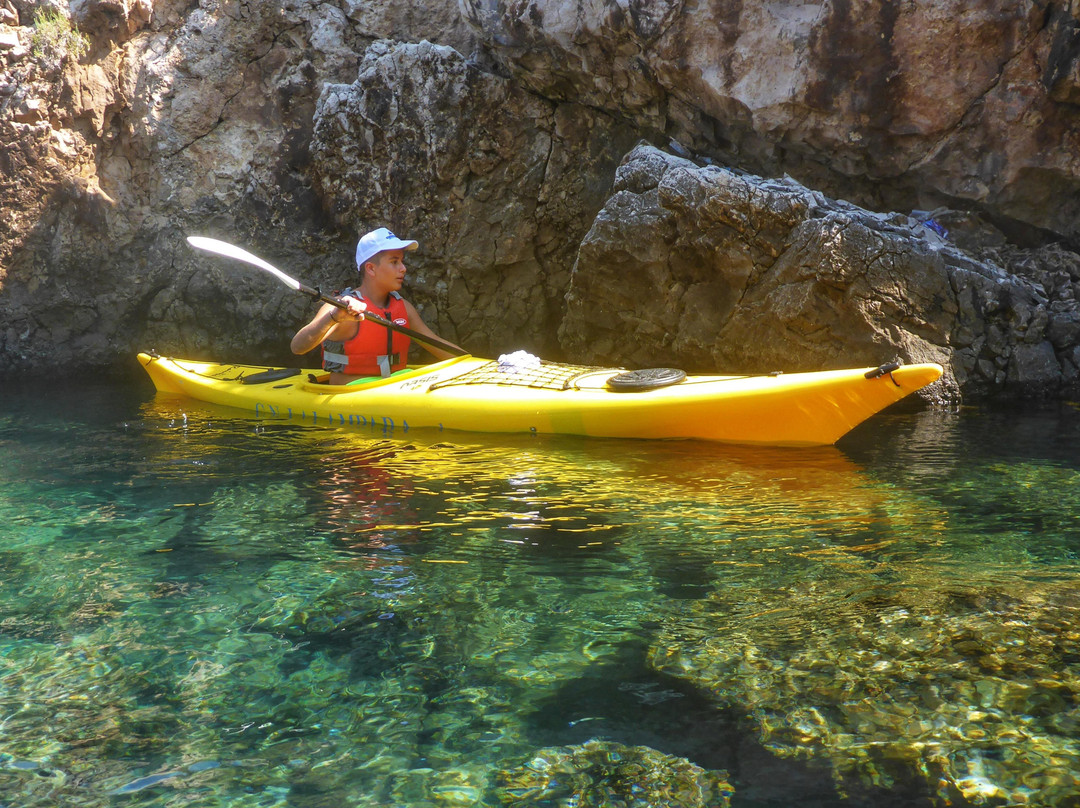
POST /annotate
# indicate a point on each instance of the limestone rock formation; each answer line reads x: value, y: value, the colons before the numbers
x: 721, y: 269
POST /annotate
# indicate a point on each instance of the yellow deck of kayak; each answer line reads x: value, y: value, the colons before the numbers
x: 468, y: 393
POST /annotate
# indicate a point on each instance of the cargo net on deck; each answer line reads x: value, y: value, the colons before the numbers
x: 542, y: 374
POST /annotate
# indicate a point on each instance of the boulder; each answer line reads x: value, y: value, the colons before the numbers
x: 710, y: 269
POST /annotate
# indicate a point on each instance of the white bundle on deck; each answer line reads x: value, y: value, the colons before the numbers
x: 518, y: 361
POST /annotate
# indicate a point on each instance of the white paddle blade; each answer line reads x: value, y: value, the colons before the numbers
x: 232, y: 251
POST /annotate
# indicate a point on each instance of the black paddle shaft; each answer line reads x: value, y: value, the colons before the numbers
x: 434, y: 342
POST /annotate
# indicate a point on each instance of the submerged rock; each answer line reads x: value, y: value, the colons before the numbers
x: 600, y: 774
x: 972, y: 693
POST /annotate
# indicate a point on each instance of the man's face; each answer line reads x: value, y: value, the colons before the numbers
x: 388, y: 268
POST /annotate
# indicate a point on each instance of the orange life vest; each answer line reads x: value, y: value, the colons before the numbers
x: 375, y: 350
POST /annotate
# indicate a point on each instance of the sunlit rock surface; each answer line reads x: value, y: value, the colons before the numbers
x: 895, y: 106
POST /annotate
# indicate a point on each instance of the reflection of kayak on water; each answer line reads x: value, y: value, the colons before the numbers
x: 535, y: 493
x: 480, y: 395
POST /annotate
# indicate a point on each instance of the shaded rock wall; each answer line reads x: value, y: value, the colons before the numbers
x: 493, y: 181
x: 179, y: 120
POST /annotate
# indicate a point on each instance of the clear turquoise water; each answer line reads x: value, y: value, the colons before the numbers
x: 202, y: 609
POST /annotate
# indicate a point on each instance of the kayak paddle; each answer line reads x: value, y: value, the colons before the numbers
x: 232, y: 251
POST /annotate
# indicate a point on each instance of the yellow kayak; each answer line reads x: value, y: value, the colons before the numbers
x: 484, y: 395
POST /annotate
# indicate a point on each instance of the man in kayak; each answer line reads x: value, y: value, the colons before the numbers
x: 353, y: 347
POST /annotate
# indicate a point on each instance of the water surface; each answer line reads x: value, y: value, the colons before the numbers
x: 202, y: 608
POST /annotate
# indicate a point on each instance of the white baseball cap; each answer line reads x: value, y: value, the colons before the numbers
x: 378, y: 240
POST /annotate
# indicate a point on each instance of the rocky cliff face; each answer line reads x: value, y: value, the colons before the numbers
x: 768, y: 226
